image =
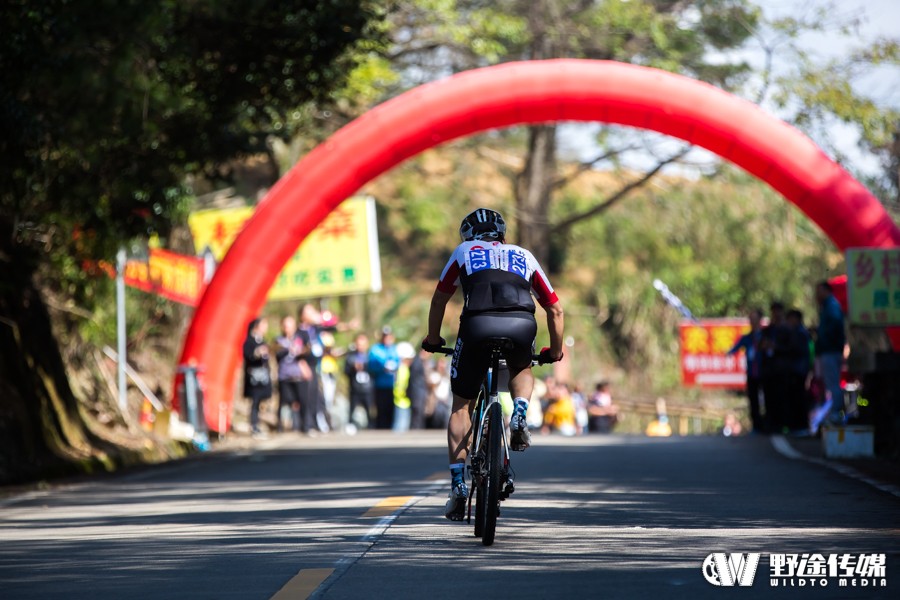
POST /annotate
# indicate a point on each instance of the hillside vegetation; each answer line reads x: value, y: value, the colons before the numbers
x: 723, y: 244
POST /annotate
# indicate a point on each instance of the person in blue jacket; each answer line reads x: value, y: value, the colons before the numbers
x: 830, y: 341
x: 383, y: 365
x: 749, y: 343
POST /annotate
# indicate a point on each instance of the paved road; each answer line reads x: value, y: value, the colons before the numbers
x: 360, y: 517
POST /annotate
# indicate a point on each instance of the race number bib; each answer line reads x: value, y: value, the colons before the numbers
x: 478, y: 259
x: 516, y: 264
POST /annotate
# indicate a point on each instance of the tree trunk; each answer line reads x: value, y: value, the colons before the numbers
x: 41, y: 431
x: 534, y: 185
x: 534, y: 191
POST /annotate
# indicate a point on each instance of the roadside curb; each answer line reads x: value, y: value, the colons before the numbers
x: 783, y: 447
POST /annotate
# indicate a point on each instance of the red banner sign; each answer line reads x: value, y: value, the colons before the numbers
x: 704, y: 353
x: 173, y: 276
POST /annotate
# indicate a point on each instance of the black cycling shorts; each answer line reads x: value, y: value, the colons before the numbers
x: 471, y: 355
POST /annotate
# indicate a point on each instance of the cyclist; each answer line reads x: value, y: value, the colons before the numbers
x: 498, y: 280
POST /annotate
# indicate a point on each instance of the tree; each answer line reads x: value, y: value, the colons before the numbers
x: 713, y: 41
x: 686, y: 37
x: 826, y: 96
x: 106, y: 107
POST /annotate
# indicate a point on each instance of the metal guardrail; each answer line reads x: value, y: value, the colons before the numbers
x: 684, y: 420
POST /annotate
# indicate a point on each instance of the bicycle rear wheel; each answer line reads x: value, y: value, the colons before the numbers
x: 480, y: 503
x: 493, y: 464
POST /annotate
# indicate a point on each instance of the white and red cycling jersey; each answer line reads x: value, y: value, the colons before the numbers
x: 496, y: 277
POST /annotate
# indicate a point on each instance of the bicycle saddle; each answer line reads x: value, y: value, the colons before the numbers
x: 501, y: 343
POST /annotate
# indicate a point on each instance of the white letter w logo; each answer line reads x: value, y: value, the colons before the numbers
x: 727, y: 569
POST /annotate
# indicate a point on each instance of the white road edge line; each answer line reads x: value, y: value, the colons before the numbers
x: 371, y: 538
x: 783, y: 447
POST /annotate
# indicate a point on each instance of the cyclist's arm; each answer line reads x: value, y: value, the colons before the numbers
x: 548, y: 299
x: 436, y: 315
x: 446, y: 287
x: 555, y: 327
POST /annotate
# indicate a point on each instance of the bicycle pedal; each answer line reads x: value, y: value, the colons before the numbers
x: 508, y: 489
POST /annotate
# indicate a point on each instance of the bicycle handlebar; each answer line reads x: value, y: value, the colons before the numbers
x: 447, y: 351
x: 535, y: 358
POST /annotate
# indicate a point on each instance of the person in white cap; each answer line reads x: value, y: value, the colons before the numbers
x: 402, y: 403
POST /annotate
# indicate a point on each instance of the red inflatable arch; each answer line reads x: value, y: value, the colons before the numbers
x: 496, y: 97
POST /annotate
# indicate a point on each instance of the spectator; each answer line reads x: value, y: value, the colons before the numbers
x: 294, y: 374
x: 417, y: 390
x: 362, y: 392
x: 798, y: 351
x: 749, y: 343
x: 830, y: 341
x: 659, y: 427
x: 383, y: 365
x: 538, y: 402
x: 602, y: 413
x: 402, y: 402
x: 257, y: 372
x: 314, y: 411
x: 775, y: 363
x: 329, y: 375
x: 560, y: 413
x: 581, y: 413
x: 732, y: 426
x: 439, y: 381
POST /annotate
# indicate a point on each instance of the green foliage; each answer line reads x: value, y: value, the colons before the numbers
x: 366, y: 83
x: 669, y: 35
x: 723, y: 247
x: 105, y: 106
x: 819, y: 93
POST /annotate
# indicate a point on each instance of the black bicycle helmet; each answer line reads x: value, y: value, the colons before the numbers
x: 482, y: 224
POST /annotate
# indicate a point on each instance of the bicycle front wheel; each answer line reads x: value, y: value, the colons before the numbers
x: 493, y: 464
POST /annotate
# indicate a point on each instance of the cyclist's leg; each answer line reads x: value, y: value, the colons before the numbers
x: 521, y: 329
x: 459, y: 430
x: 521, y: 384
x: 459, y: 434
x: 467, y: 369
x: 466, y: 373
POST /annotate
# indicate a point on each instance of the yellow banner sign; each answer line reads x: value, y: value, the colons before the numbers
x: 873, y: 286
x: 339, y: 257
x: 214, y: 230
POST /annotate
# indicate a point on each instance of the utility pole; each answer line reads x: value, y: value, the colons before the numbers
x: 120, y: 327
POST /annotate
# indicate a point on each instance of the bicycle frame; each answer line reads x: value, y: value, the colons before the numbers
x: 480, y: 410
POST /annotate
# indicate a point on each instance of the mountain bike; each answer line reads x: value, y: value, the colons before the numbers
x: 493, y: 479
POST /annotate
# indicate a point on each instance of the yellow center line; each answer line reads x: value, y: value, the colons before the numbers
x: 302, y: 584
x: 387, y: 506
